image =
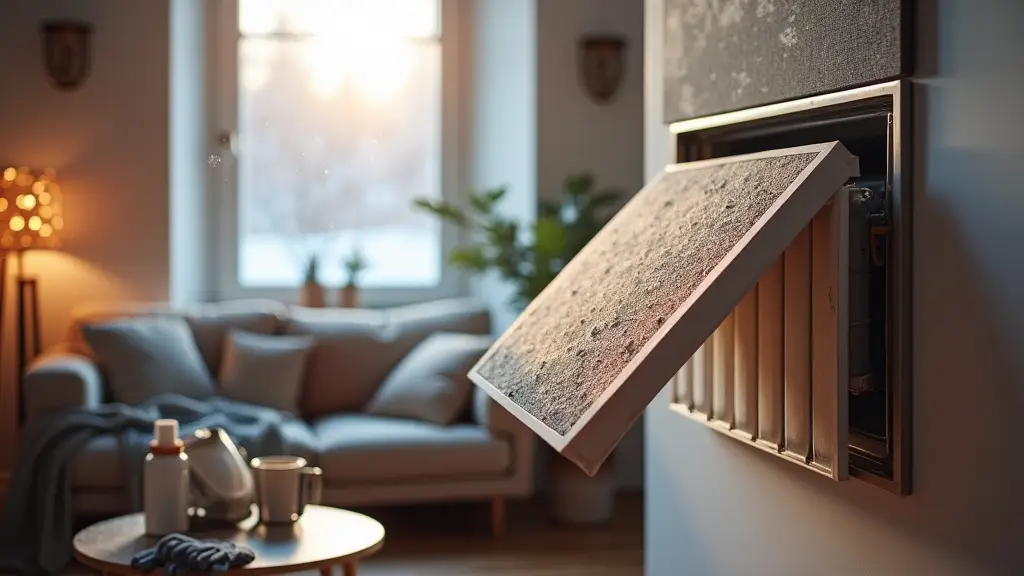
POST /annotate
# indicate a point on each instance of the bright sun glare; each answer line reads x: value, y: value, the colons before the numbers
x: 362, y: 44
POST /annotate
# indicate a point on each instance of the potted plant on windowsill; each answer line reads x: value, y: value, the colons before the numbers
x: 354, y: 264
x: 529, y: 257
x: 312, y: 293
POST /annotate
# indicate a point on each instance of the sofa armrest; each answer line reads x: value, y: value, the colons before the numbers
x: 60, y: 379
x: 500, y: 422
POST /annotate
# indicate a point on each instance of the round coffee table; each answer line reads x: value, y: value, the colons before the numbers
x: 323, y: 537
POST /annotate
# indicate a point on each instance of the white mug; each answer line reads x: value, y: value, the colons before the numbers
x: 285, y: 485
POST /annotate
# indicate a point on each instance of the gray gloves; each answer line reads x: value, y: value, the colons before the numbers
x: 180, y: 555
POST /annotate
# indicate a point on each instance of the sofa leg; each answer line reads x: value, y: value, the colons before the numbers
x: 498, y: 516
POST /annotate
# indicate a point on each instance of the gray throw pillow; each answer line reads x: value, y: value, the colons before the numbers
x: 430, y: 383
x: 265, y: 369
x: 146, y: 356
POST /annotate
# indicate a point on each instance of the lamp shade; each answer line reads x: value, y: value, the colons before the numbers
x: 31, y: 209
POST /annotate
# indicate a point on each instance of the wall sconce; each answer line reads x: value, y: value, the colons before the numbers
x: 66, y: 52
x: 602, y: 65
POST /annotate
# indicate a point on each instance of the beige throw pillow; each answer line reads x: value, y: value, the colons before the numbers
x: 430, y: 382
x: 147, y: 356
x: 264, y: 369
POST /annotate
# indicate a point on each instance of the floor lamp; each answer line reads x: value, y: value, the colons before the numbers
x: 31, y: 218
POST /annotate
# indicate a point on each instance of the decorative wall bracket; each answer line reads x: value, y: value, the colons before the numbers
x: 602, y: 65
x: 67, y: 52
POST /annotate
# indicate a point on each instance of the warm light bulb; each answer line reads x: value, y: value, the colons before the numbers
x: 58, y: 222
x: 44, y: 211
x: 44, y: 198
x: 10, y: 174
x: 45, y: 230
x: 3, y: 204
x: 34, y: 223
x: 17, y: 223
x: 26, y: 201
x: 38, y: 186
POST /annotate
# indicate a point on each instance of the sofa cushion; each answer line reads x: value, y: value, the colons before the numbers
x: 430, y: 383
x: 149, y: 356
x: 357, y: 448
x: 100, y: 463
x: 264, y: 369
x: 356, y: 349
x: 209, y: 322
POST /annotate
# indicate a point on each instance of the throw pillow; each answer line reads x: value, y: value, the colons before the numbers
x: 146, y: 356
x: 430, y: 383
x: 265, y: 369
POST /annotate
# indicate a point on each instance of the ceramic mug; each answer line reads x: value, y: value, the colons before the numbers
x: 285, y: 485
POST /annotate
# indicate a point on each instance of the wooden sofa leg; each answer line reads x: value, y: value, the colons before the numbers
x: 498, y: 516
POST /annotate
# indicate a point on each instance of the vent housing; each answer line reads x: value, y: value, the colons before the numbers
x: 758, y: 377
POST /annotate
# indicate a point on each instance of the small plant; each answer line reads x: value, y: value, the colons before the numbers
x: 312, y: 268
x: 561, y: 231
x: 354, y: 264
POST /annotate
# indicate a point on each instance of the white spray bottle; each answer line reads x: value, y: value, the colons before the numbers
x: 165, y: 481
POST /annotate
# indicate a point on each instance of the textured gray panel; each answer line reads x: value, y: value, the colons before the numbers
x: 583, y: 330
x: 723, y: 55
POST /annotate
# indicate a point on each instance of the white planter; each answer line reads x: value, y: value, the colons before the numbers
x: 576, y: 498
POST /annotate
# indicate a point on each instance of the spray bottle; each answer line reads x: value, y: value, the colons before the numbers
x: 165, y: 481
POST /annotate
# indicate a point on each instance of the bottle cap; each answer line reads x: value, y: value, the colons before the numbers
x: 165, y: 433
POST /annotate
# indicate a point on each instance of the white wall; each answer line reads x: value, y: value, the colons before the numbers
x: 108, y: 142
x: 502, y: 72
x: 188, y: 161
x: 716, y: 507
x: 575, y: 134
x: 533, y: 124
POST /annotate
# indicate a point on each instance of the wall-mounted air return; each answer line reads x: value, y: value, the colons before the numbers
x: 773, y: 373
x: 585, y: 358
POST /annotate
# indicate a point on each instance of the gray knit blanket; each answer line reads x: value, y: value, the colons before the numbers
x: 36, y: 521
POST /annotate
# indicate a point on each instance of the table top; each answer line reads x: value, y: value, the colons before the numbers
x: 322, y: 537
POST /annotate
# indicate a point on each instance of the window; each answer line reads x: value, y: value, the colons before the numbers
x: 336, y: 116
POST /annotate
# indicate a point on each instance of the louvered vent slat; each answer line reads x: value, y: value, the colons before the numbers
x: 774, y: 364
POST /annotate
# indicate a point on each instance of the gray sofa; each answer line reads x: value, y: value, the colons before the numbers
x: 366, y: 460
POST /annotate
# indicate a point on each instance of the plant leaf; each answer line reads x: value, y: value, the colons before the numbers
x: 549, y: 237
x: 578, y: 185
x: 469, y: 258
x: 444, y: 210
x: 549, y: 209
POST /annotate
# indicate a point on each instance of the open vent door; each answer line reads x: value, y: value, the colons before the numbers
x: 665, y: 277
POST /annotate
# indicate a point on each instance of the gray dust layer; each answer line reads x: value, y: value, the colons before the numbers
x: 609, y: 301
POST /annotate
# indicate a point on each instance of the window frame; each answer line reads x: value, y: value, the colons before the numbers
x: 222, y: 183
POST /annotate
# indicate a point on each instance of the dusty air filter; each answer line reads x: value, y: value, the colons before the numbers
x: 584, y: 359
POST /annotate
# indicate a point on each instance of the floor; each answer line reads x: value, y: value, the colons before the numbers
x: 447, y: 540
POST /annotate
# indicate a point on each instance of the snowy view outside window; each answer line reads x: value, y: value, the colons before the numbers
x: 339, y: 129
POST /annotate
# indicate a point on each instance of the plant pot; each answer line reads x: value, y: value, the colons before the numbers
x: 348, y: 296
x: 311, y: 295
x: 576, y: 498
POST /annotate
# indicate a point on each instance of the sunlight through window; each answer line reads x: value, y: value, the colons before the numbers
x: 327, y: 92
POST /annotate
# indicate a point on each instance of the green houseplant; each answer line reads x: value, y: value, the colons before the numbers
x: 312, y: 293
x: 528, y: 257
x: 353, y: 264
